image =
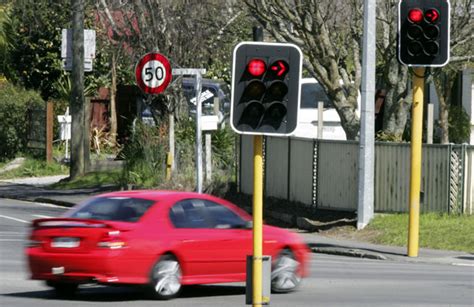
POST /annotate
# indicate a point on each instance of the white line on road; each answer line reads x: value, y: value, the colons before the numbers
x: 14, y: 219
x: 42, y: 216
x: 463, y: 264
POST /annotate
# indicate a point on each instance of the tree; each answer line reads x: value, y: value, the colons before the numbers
x: 392, y: 77
x: 33, y: 40
x: 329, y: 33
x: 462, y: 54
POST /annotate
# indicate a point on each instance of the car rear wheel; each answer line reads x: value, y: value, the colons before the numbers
x: 285, y: 272
x: 166, y: 278
x: 63, y: 289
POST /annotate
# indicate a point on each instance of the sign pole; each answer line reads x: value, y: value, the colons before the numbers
x: 415, y: 166
x: 49, y: 131
x: 198, y: 133
x: 198, y: 75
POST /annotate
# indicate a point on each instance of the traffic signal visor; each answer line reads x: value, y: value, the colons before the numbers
x: 265, y: 88
x: 423, y: 33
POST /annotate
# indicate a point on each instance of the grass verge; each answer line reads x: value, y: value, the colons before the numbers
x: 90, y: 180
x: 437, y: 231
x: 36, y: 168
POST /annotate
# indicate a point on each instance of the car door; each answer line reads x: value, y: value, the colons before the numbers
x: 236, y: 237
x: 208, y: 248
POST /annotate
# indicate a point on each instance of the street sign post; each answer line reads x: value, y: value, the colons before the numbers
x: 153, y: 73
x: 198, y: 75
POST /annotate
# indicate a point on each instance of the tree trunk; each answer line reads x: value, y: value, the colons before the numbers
x: 397, y: 100
x: 77, y: 96
x: 113, y: 96
x: 443, y: 88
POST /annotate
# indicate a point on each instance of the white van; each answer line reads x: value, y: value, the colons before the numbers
x: 311, y: 93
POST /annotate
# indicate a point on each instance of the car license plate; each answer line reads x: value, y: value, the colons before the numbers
x: 65, y: 242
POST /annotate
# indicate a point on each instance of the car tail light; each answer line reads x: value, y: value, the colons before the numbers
x: 112, y: 240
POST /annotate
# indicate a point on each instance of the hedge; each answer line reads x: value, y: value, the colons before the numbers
x: 14, y: 105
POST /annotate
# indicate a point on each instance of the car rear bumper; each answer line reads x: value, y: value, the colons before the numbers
x: 97, y: 267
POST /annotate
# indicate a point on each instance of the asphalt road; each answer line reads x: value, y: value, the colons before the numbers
x: 334, y: 280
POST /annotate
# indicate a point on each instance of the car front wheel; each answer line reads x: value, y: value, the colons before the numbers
x: 166, y: 278
x: 285, y: 272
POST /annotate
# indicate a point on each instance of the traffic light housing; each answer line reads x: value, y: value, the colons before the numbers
x: 265, y: 88
x: 423, y: 32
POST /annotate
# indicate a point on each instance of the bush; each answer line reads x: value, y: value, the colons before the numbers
x: 145, y: 156
x: 459, y: 125
x: 14, y: 105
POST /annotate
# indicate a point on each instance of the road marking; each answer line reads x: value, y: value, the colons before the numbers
x: 14, y: 219
x: 42, y: 216
x: 463, y: 264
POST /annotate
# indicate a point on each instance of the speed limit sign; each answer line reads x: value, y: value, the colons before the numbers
x: 153, y: 73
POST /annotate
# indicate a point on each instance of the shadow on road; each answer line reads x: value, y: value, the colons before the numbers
x: 123, y: 294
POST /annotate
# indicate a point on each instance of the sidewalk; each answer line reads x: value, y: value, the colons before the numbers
x: 32, y: 189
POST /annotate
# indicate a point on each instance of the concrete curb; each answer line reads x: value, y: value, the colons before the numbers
x: 54, y: 202
x: 348, y: 252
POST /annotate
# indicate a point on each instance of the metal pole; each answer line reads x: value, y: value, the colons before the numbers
x: 208, y: 145
x: 429, y: 128
x: 257, y: 293
x: 365, y: 207
x: 415, y: 166
x: 198, y: 133
x: 49, y: 131
x: 320, y: 119
x: 171, y: 145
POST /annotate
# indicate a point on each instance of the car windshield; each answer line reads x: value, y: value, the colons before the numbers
x: 311, y: 94
x: 124, y: 209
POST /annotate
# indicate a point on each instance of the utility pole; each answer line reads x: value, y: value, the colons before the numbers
x: 77, y: 167
x: 365, y: 207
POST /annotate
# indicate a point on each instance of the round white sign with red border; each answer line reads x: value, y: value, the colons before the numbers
x: 153, y: 73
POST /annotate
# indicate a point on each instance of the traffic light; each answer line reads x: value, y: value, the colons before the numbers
x: 265, y: 88
x: 423, y: 32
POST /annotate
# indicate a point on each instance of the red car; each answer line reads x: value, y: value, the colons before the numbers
x: 162, y: 239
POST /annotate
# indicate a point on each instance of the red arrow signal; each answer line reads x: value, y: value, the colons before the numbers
x: 280, y: 68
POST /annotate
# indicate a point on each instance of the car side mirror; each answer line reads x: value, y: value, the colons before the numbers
x: 248, y: 225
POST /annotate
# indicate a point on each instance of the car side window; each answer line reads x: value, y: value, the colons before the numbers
x: 223, y: 217
x: 189, y: 213
x: 311, y: 94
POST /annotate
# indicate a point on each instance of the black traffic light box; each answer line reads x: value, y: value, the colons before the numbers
x: 265, y: 88
x: 423, y: 32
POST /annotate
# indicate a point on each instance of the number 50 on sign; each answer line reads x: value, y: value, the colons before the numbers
x: 153, y: 73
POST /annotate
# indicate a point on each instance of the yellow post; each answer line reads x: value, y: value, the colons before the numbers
x: 257, y: 299
x: 415, y: 170
x: 169, y: 163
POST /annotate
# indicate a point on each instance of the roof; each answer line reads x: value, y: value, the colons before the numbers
x: 154, y: 194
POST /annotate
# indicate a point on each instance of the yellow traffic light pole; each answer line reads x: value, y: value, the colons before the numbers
x: 257, y: 295
x: 415, y: 168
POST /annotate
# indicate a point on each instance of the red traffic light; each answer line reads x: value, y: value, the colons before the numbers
x: 279, y: 68
x: 432, y: 15
x: 415, y: 15
x: 256, y: 67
